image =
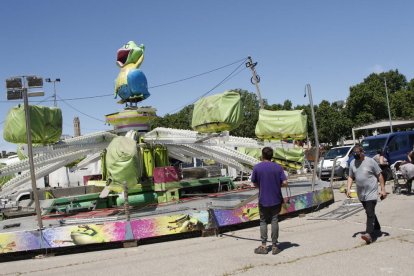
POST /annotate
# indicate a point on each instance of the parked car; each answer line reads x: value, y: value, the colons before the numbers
x: 342, y: 154
x: 395, y: 146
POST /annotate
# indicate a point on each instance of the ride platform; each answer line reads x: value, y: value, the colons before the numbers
x: 198, y: 214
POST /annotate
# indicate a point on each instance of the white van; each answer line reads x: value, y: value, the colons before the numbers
x: 341, y: 167
x: 9, y: 160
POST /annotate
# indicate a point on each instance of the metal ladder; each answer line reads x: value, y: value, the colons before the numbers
x: 349, y: 207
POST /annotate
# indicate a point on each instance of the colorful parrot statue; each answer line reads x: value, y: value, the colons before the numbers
x: 131, y: 83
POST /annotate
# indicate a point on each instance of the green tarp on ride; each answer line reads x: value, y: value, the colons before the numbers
x: 217, y: 113
x: 289, y: 154
x: 253, y: 152
x: 148, y: 161
x: 153, y: 157
x: 286, y: 157
x: 122, y: 162
x: 281, y: 124
x: 45, y: 124
x: 161, y: 156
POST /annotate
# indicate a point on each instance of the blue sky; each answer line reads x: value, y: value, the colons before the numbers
x: 329, y: 44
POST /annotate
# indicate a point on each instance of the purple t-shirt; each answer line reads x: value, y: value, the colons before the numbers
x: 268, y: 176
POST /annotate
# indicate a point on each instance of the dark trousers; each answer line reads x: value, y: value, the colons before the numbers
x: 372, y: 221
x: 269, y: 215
x: 409, y: 185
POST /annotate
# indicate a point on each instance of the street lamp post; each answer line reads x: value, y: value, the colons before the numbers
x: 315, y: 165
x: 388, y: 103
x: 54, y: 89
x: 255, y: 79
x: 17, y: 88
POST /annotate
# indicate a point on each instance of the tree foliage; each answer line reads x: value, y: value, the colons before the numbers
x: 179, y: 120
x: 331, y: 122
x: 287, y: 105
x: 402, y: 104
x: 309, y: 124
x: 367, y: 101
x: 250, y: 116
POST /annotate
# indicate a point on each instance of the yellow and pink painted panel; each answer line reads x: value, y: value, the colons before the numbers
x: 169, y: 225
x: 250, y: 212
x: 149, y: 227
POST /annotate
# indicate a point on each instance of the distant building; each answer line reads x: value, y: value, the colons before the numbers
x: 383, y: 127
x: 76, y: 127
x: 5, y: 154
x: 341, y: 103
x: 65, y: 136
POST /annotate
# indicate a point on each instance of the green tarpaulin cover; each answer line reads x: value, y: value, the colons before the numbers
x: 161, y: 156
x: 217, y: 113
x: 122, y: 162
x: 148, y: 161
x: 45, y: 122
x: 281, y: 124
x: 287, y: 157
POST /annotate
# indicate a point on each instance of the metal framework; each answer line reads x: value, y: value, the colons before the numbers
x: 183, y: 145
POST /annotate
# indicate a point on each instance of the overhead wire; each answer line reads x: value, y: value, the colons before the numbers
x: 44, y: 100
x: 83, y: 128
x: 74, y: 108
x: 82, y: 98
x: 67, y: 99
x: 228, y: 77
x: 150, y: 87
x: 198, y: 75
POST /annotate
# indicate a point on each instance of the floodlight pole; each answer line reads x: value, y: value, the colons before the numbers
x: 54, y: 94
x: 315, y: 131
x: 30, y: 153
x: 54, y: 89
x: 255, y: 79
x: 388, y: 103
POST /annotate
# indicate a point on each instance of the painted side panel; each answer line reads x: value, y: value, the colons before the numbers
x: 147, y: 227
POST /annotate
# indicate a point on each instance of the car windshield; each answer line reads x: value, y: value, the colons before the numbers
x: 373, y: 144
x: 337, y: 152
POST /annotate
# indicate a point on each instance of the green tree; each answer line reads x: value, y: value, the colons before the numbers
x: 274, y: 107
x: 180, y: 120
x: 287, y: 105
x: 402, y: 104
x: 250, y: 114
x: 410, y: 86
x: 331, y: 122
x: 309, y: 124
x: 367, y: 101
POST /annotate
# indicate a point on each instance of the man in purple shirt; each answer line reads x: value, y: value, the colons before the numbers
x: 269, y: 177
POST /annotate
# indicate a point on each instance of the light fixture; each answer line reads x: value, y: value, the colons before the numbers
x: 14, y: 83
x: 54, y: 88
x: 34, y: 82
